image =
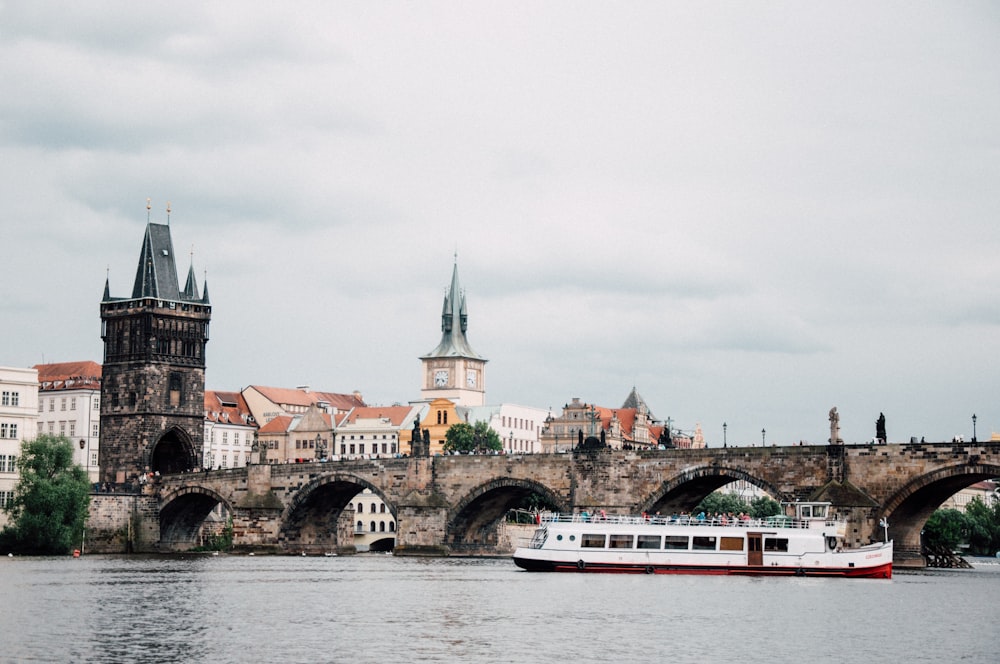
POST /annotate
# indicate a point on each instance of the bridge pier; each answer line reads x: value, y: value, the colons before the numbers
x: 421, y: 529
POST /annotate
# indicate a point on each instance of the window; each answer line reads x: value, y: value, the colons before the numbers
x: 52, y: 405
x: 62, y: 427
x: 93, y: 458
x: 361, y: 527
x: 381, y: 526
x: 702, y: 543
x: 679, y: 542
x: 591, y: 541
x: 72, y: 429
x: 72, y: 403
x: 392, y: 526
x: 97, y: 403
x: 381, y: 508
x: 361, y: 508
x: 13, y: 431
x: 5, y: 401
x: 361, y: 448
x: 776, y: 544
x: 648, y: 542
x: 95, y: 430
x: 731, y: 544
x: 3, y: 429
x: 62, y: 404
x: 372, y: 526
x: 620, y: 542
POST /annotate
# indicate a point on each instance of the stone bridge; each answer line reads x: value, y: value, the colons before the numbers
x: 454, y: 505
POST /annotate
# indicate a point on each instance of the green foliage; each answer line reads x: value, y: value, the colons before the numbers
x: 478, y: 438
x: 764, y: 506
x: 221, y: 542
x: 721, y: 502
x: 51, y: 499
x: 983, y: 524
x: 945, y: 529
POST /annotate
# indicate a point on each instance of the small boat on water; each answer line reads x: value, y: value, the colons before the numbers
x: 809, y: 544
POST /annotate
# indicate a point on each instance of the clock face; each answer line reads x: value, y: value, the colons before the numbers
x: 441, y: 377
x: 470, y: 378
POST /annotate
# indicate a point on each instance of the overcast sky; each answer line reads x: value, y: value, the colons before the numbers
x: 751, y: 212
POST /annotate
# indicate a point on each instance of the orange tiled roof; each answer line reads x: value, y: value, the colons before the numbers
x: 277, y: 425
x: 396, y: 414
x: 219, y: 408
x: 69, y: 375
x: 302, y: 397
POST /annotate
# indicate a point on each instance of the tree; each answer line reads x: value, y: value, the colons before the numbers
x: 464, y: 437
x: 721, y: 502
x: 983, y: 524
x: 945, y: 530
x: 51, y: 500
x: 764, y: 506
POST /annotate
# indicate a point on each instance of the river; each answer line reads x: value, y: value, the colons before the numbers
x: 380, y: 608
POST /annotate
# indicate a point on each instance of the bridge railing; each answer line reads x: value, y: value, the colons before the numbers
x: 681, y: 520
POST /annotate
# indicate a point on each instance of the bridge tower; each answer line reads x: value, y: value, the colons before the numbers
x: 153, y: 385
x: 453, y: 370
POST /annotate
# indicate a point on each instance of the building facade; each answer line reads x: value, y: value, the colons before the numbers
x: 18, y: 423
x: 153, y: 385
x: 230, y: 431
x: 519, y: 427
x: 376, y: 431
x: 69, y: 404
x: 453, y: 370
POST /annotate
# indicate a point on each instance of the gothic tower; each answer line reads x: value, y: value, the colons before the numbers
x: 453, y: 370
x: 153, y: 386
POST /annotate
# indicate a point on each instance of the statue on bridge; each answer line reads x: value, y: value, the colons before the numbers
x: 835, y: 438
x: 880, y: 429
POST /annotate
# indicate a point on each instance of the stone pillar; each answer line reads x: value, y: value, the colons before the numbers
x: 420, y: 530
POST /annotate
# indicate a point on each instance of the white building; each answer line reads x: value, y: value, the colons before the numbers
x: 374, y: 527
x: 229, y: 430
x: 18, y: 413
x: 519, y: 427
x: 376, y: 431
x: 69, y: 404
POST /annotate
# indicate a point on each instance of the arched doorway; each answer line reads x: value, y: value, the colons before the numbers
x: 173, y: 453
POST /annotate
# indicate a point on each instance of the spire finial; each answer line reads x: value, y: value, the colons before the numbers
x: 148, y: 207
x: 168, y: 218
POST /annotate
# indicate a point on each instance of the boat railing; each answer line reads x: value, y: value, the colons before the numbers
x: 679, y: 520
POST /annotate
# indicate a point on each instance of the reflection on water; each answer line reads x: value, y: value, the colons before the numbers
x: 376, y: 608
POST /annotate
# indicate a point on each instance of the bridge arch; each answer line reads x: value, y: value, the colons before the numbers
x: 474, y: 520
x: 312, y: 522
x: 183, y: 513
x: 908, y: 509
x: 684, y: 491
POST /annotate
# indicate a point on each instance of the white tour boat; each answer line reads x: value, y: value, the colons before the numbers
x: 809, y: 544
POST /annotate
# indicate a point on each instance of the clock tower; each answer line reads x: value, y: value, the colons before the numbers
x: 453, y: 370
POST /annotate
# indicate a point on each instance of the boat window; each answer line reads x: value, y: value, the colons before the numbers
x: 620, y: 542
x: 558, y: 538
x: 819, y: 511
x: 776, y: 544
x: 648, y: 542
x: 590, y: 541
x: 731, y: 544
x: 702, y: 543
x: 675, y: 542
x: 805, y: 511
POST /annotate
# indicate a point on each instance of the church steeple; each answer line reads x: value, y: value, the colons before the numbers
x: 454, y: 342
x: 453, y: 370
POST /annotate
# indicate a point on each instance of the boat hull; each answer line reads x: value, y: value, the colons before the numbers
x: 881, y: 571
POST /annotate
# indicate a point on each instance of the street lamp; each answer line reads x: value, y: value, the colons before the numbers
x: 973, y: 427
x: 763, y: 437
x: 724, y: 442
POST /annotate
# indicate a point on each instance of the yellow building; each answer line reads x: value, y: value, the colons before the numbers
x: 441, y: 414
